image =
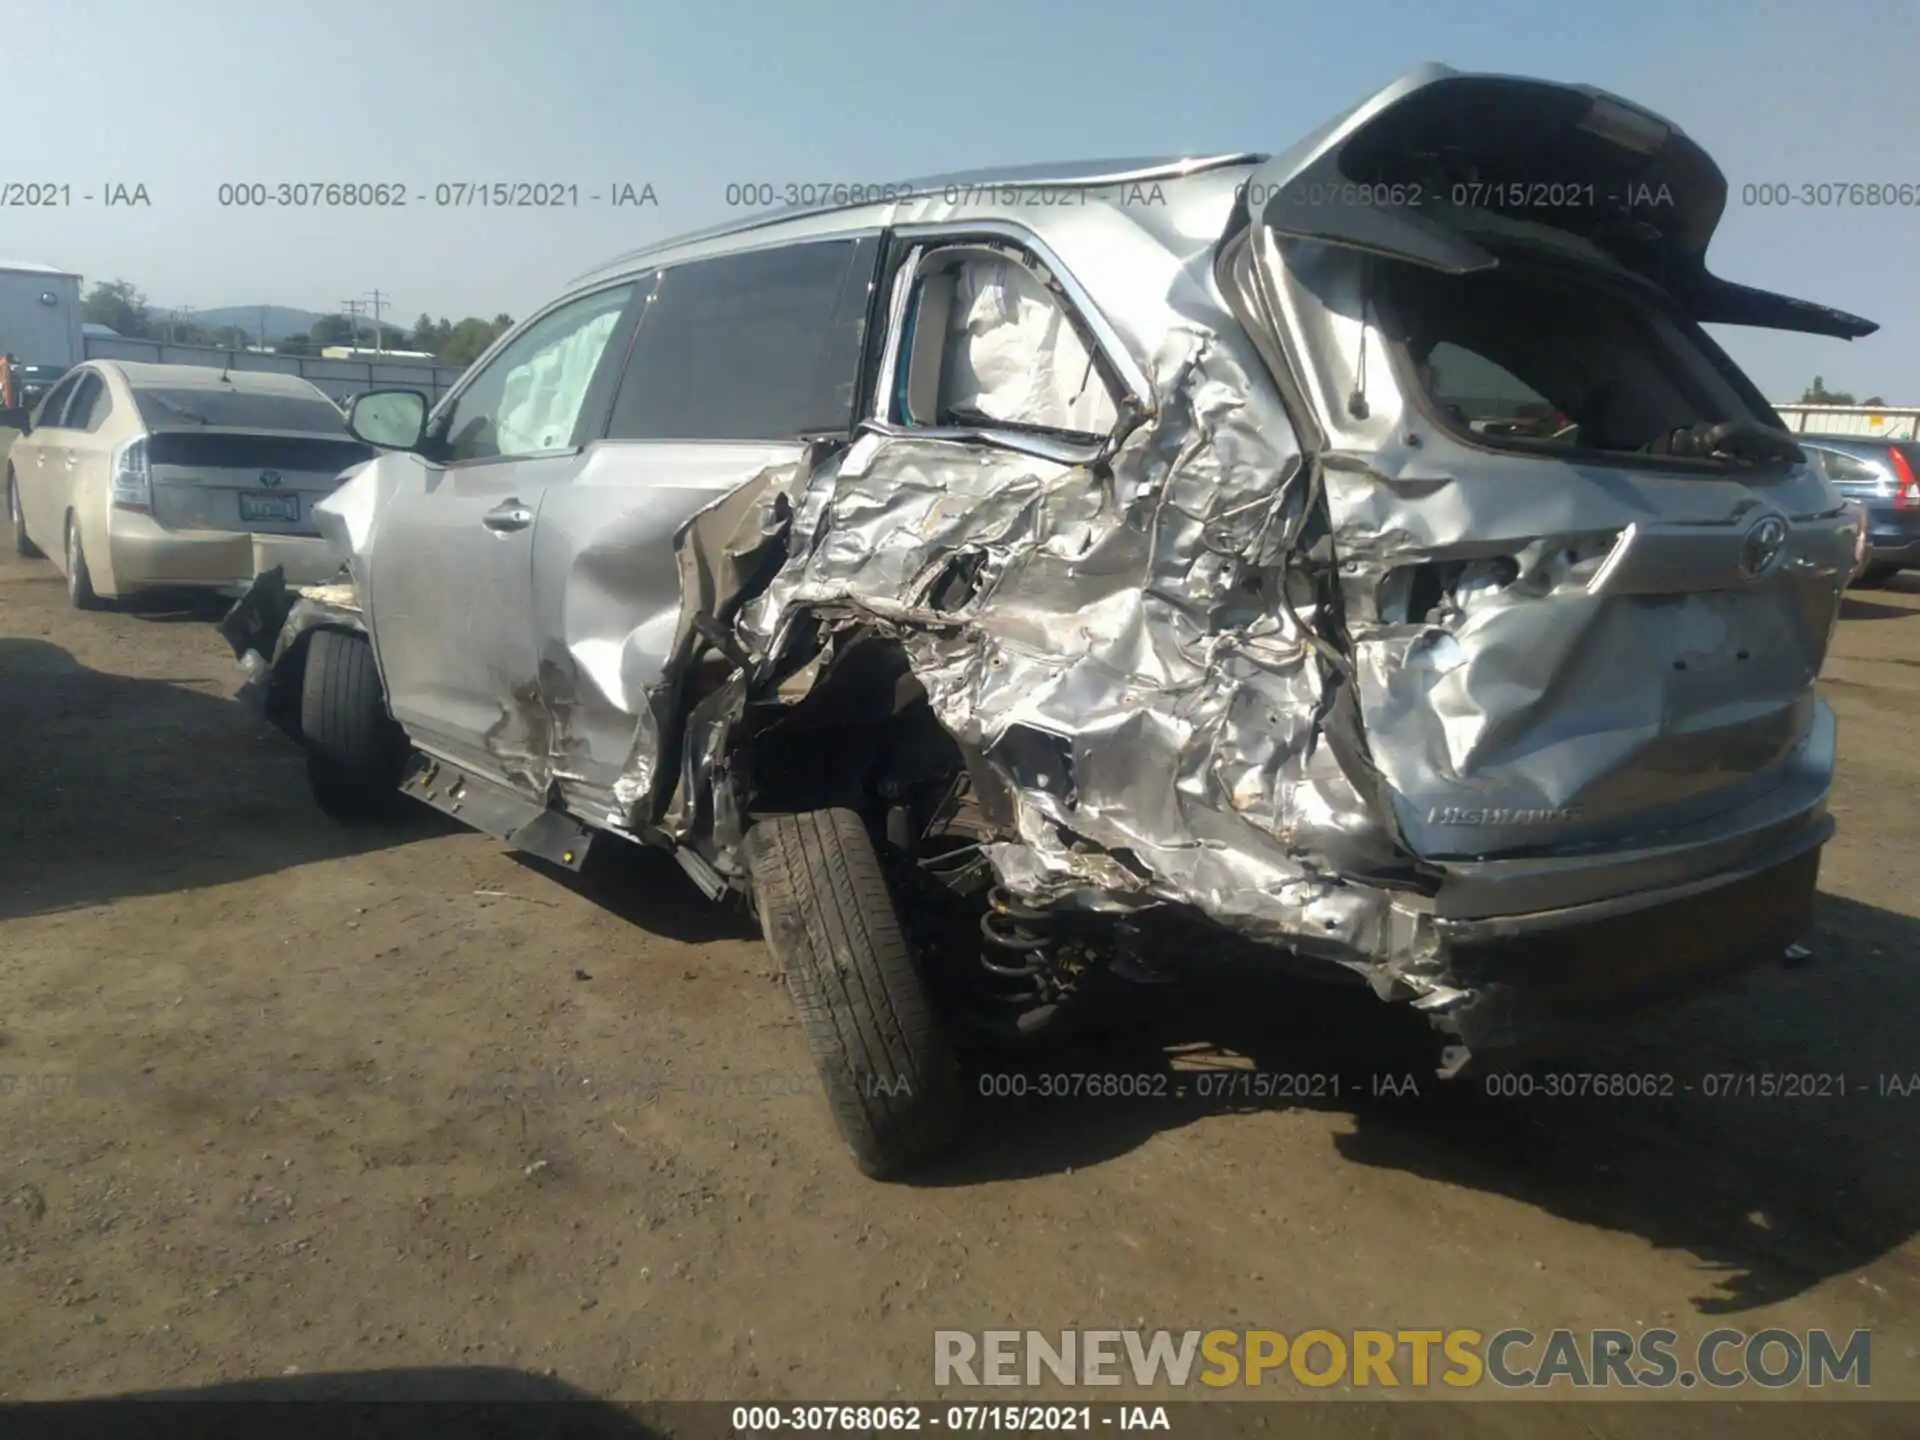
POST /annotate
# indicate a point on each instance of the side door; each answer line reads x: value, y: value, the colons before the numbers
x: 88, y: 470
x: 89, y: 448
x: 738, y: 360
x: 40, y: 467
x: 449, y: 573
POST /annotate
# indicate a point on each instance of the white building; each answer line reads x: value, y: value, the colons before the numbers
x: 349, y: 352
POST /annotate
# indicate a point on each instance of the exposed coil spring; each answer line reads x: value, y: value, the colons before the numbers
x: 1020, y: 929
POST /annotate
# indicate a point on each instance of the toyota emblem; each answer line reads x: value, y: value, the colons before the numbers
x: 1764, y: 541
x: 269, y: 478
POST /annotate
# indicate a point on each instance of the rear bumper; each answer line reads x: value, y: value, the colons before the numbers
x: 1893, y: 536
x: 1524, y: 996
x: 1534, y: 950
x: 1500, y: 899
x: 147, y: 555
x: 1905, y: 554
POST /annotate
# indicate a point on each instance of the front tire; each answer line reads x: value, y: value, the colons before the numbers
x: 1877, y: 575
x: 890, y: 1075
x: 80, y: 591
x: 22, y: 546
x: 356, y: 752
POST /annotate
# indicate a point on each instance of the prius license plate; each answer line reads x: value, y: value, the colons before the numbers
x: 270, y: 507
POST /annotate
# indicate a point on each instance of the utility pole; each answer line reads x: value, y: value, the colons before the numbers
x: 379, y: 303
x: 353, y: 309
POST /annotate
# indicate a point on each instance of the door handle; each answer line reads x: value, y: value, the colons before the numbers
x: 505, y: 518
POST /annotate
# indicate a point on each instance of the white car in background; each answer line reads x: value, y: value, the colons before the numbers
x: 137, y: 477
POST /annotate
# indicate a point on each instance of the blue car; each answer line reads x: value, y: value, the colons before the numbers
x: 1884, y: 476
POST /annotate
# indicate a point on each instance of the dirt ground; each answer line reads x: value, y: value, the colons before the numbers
x: 283, y: 1098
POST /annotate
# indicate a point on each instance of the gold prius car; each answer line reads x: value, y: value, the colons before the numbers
x: 137, y: 477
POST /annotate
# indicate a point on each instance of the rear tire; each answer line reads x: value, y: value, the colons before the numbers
x: 356, y: 752
x: 80, y: 591
x: 22, y: 546
x: 1875, y: 576
x: 890, y: 1075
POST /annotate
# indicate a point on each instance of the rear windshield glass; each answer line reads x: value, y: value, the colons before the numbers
x: 1540, y: 359
x: 239, y: 409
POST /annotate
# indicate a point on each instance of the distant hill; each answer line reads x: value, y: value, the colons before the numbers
x: 279, y: 321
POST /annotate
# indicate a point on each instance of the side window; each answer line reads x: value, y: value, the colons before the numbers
x: 48, y: 416
x: 987, y: 342
x: 1488, y: 398
x: 764, y: 345
x: 89, y: 405
x: 527, y: 401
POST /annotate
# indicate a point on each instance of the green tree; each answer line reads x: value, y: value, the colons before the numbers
x: 430, y: 334
x: 469, y: 340
x: 118, y: 304
x: 332, y: 330
x: 296, y: 345
x: 1818, y: 394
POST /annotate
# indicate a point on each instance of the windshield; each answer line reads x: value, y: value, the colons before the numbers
x: 1542, y: 358
x: 178, y: 409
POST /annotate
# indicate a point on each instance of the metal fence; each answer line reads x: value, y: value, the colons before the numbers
x: 339, y: 378
x: 1873, y: 422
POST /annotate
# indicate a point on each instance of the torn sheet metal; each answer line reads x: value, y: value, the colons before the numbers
x: 1131, y: 613
x: 274, y: 616
x: 722, y: 553
x: 268, y: 622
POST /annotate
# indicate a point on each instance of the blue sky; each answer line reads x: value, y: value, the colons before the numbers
x: 182, y: 95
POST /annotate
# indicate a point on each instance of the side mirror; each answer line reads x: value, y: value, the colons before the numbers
x: 391, y: 419
x: 16, y: 419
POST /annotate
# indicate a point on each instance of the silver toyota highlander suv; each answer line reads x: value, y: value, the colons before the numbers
x: 1359, y: 558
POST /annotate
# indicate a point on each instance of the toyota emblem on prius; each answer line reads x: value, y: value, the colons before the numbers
x: 1765, y: 539
x: 269, y: 478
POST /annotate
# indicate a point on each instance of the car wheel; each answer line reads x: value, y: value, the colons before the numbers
x: 356, y: 752
x: 890, y: 1074
x: 1874, y: 576
x: 80, y: 592
x: 22, y: 546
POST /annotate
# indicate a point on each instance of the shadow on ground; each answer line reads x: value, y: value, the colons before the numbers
x: 1779, y: 1146
x: 645, y: 887
x: 174, y: 607
x: 497, y: 1403
x: 1861, y: 604
x: 118, y: 787
x: 1853, y: 608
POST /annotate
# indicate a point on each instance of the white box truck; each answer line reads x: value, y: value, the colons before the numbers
x: 39, y: 326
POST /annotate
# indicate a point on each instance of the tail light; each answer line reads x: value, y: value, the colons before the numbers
x: 1906, y: 491
x: 133, y: 478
